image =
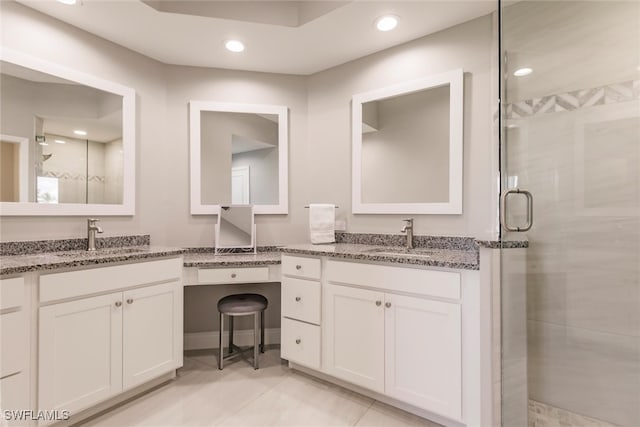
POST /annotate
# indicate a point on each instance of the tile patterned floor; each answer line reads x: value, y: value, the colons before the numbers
x: 241, y: 396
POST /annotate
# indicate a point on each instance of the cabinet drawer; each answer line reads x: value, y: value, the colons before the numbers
x: 301, y: 299
x: 300, y: 343
x: 233, y: 275
x: 95, y: 280
x: 11, y: 293
x: 308, y: 268
x: 13, y: 336
x: 433, y: 283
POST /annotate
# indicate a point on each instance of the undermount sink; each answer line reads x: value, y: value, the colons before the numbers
x: 415, y: 252
x: 106, y: 251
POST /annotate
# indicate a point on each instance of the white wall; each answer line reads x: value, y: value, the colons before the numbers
x: 466, y: 46
x: 36, y: 34
x: 319, y: 129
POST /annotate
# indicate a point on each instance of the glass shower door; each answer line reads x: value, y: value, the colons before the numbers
x: 570, y: 303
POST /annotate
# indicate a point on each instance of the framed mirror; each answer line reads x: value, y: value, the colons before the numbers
x: 68, y: 141
x: 407, y: 147
x: 238, y: 155
x: 235, y: 229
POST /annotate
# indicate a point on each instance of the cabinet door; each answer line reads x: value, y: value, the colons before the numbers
x: 353, y: 339
x: 149, y: 333
x: 80, y: 353
x: 423, y: 354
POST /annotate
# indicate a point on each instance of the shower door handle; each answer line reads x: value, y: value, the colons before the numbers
x: 504, y: 206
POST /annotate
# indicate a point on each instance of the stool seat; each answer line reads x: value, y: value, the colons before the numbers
x: 242, y: 303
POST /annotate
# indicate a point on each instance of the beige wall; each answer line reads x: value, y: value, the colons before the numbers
x: 466, y: 46
x: 319, y: 135
x: 319, y: 130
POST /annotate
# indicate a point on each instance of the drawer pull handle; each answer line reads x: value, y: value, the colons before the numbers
x: 298, y: 299
x: 378, y: 303
x: 298, y: 267
x: 118, y: 303
x: 233, y: 275
x: 388, y: 304
x: 130, y: 301
x: 298, y: 341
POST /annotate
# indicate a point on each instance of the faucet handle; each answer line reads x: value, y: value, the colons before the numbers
x: 92, y: 220
x: 409, y: 221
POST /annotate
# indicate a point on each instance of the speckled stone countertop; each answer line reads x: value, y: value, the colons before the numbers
x: 14, y: 264
x: 205, y: 257
x: 433, y: 257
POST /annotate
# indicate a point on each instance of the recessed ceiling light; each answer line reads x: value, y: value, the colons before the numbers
x: 80, y: 132
x: 59, y: 141
x: 234, y: 45
x: 387, y: 22
x: 69, y: 2
x: 520, y: 72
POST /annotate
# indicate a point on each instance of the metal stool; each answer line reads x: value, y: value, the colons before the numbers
x: 242, y: 305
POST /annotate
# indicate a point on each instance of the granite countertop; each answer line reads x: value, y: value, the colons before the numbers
x: 210, y: 259
x: 13, y: 264
x: 433, y: 257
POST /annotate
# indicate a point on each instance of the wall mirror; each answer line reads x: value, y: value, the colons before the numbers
x: 235, y: 229
x: 238, y: 156
x: 68, y: 141
x: 407, y: 147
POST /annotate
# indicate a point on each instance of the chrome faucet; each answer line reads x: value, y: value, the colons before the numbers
x: 92, y: 229
x: 408, y: 228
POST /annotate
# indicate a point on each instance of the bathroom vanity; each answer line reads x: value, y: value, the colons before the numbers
x: 395, y: 325
x: 82, y: 329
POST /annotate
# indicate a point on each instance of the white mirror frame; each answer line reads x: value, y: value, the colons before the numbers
x: 452, y: 78
x: 128, y: 144
x: 195, y: 110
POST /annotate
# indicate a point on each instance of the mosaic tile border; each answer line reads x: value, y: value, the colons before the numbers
x: 42, y: 246
x: 574, y: 100
x: 73, y: 177
x: 543, y: 415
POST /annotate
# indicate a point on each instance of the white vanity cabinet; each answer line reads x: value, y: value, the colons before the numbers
x: 393, y: 329
x: 301, y: 311
x: 14, y: 354
x: 106, y: 330
x: 408, y: 347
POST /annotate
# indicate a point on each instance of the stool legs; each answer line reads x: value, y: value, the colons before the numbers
x: 230, y: 334
x: 221, y: 356
x: 258, y: 340
x: 256, y: 345
x: 262, y: 332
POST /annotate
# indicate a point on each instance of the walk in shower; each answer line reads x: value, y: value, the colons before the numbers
x: 570, y: 135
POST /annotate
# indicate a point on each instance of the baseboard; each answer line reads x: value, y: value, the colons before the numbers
x: 210, y: 339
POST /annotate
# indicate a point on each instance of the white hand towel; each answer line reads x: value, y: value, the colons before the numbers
x: 322, y: 218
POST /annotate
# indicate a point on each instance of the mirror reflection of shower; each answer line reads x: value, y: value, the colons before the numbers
x: 80, y: 161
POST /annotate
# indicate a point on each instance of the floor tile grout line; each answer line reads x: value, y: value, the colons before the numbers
x: 373, y: 401
x: 248, y: 402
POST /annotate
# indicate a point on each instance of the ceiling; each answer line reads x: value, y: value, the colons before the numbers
x: 290, y: 37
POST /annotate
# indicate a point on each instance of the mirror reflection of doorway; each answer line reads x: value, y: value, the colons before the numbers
x: 240, y: 185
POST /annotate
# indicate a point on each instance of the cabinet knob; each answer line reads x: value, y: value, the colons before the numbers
x: 233, y: 275
x: 298, y: 341
x: 387, y: 304
x: 298, y: 299
x: 378, y: 303
x: 130, y: 301
x: 298, y: 267
x: 118, y: 303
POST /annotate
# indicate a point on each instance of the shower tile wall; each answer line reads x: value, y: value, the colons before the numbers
x: 583, y: 168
